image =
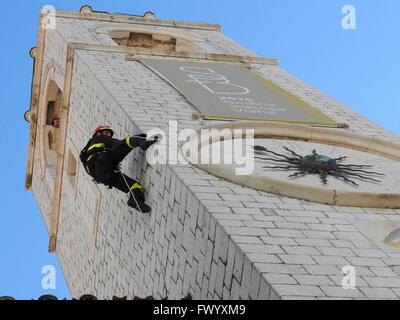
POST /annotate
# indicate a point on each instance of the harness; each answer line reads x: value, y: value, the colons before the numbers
x: 90, y: 152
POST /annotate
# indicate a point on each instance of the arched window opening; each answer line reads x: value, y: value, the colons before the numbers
x: 52, y: 124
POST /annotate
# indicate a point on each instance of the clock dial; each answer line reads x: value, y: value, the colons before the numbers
x: 310, y: 171
x: 326, y: 166
x: 322, y: 165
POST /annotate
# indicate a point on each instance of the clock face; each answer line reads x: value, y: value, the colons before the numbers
x: 321, y: 165
x: 326, y: 166
x: 313, y: 171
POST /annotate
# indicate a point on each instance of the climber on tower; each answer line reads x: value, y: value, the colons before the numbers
x: 101, y: 157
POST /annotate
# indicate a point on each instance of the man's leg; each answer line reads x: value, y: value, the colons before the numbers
x: 103, y: 169
x: 128, y: 185
x: 105, y: 174
x: 120, y: 150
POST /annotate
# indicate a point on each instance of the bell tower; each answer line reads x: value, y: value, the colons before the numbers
x: 321, y: 195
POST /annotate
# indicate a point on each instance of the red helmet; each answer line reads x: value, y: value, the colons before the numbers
x: 102, y: 128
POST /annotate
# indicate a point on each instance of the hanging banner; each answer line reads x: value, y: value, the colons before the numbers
x: 228, y: 91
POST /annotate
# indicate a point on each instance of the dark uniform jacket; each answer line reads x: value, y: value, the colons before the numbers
x: 96, y: 145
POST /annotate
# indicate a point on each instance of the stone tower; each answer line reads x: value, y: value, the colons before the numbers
x: 212, y: 233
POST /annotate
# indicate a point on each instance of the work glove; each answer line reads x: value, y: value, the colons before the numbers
x: 142, y: 142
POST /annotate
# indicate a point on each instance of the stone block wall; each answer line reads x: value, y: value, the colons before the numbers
x: 205, y: 236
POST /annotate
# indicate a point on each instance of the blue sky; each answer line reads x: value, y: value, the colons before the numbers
x: 357, y: 67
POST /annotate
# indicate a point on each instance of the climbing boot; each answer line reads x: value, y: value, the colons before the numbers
x: 139, y: 203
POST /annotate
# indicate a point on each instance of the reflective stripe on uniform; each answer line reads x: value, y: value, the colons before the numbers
x: 97, y: 145
x: 136, y: 186
x: 87, y: 160
x: 128, y: 142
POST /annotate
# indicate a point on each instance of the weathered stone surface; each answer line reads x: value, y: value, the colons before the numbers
x: 205, y: 236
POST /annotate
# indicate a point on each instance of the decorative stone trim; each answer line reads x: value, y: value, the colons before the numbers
x: 87, y: 13
x: 273, y: 130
